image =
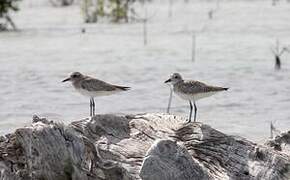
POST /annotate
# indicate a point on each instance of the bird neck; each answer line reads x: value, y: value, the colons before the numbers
x: 77, y: 83
x: 177, y: 82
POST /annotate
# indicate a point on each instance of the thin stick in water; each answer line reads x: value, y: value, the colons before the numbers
x: 145, y: 32
x: 170, y: 8
x: 169, y: 101
x: 193, y: 47
x: 271, y: 130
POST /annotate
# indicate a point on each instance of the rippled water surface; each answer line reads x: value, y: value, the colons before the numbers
x: 233, y: 50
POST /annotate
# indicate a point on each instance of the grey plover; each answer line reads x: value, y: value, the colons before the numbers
x: 92, y: 87
x: 192, y: 91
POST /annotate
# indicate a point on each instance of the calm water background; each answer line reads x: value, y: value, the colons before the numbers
x: 233, y: 50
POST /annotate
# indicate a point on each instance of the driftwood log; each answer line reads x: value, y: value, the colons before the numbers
x: 147, y: 146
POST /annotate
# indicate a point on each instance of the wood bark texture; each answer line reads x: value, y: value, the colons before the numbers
x: 133, y: 147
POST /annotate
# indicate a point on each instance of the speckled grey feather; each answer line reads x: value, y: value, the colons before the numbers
x: 195, y: 87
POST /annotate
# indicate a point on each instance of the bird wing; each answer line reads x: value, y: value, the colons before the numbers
x: 91, y: 84
x: 192, y: 87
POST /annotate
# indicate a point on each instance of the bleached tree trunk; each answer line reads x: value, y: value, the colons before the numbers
x: 147, y: 146
x: 278, y: 51
x: 90, y: 10
x: 10, y: 21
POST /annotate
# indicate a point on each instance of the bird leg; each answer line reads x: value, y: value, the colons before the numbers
x: 93, y: 104
x: 195, y: 111
x: 190, y: 112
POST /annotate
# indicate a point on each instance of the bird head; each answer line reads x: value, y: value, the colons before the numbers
x: 174, y: 78
x: 74, y: 77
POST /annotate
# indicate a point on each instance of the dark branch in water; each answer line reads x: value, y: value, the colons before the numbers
x: 144, y: 20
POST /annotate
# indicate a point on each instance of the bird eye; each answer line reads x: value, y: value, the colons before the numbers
x: 74, y: 75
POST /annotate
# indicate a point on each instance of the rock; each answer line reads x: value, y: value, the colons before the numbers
x: 146, y: 146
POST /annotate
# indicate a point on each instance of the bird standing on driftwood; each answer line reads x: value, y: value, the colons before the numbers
x: 192, y: 91
x: 92, y: 87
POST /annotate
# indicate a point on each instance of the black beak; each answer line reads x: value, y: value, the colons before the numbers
x: 167, y: 81
x: 67, y: 79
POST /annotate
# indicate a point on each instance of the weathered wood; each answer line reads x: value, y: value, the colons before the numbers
x: 147, y: 146
x: 281, y: 142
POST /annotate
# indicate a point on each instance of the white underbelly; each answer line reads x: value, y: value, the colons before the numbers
x: 195, y: 97
x: 96, y: 93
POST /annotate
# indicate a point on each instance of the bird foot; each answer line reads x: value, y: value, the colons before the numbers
x: 189, y: 121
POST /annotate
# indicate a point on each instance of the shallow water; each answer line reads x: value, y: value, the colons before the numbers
x: 233, y: 51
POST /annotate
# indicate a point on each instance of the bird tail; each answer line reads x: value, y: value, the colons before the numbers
x: 225, y: 89
x: 123, y: 88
